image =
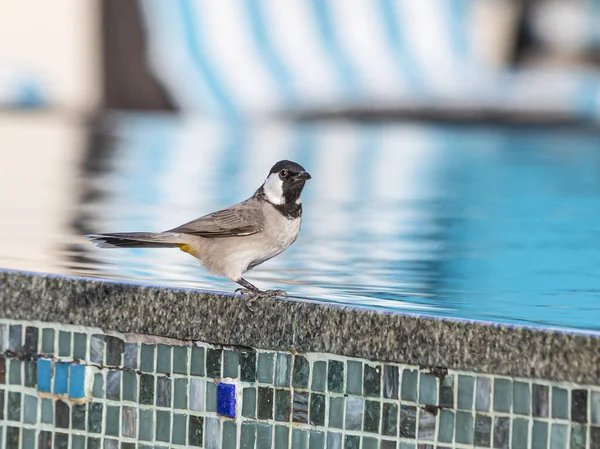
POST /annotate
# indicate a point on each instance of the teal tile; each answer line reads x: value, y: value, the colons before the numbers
x: 578, y: 436
x: 391, y: 380
x: 265, y: 403
x: 48, y: 341
x: 351, y: 442
x: 560, y: 403
x: 179, y: 434
x: 28, y: 439
x: 197, y: 398
x: 354, y: 377
x: 163, y: 359
x: 335, y: 376
x: 334, y: 440
x: 47, y: 411
x: 446, y: 426
x: 147, y: 358
x: 214, y: 359
x: 98, y: 388
x: 465, y: 394
x: 13, y: 406
x: 180, y: 394
x: 301, y: 372
x: 559, y: 436
x: 131, y: 355
x: 317, y: 409
x: 317, y: 440
x: 408, y: 389
x: 15, y: 376
x: 249, y: 402
x: 539, y: 437
x: 483, y: 430
x: 483, y: 394
x: 163, y: 391
x: 97, y: 349
x: 372, y: 416
x: 369, y: 443
x: 146, y: 389
x: 283, y: 370
x: 428, y: 389
x: 372, y: 380
x: 163, y: 425
x: 64, y: 344
x: 113, y: 420
x: 130, y: 386
x: 354, y: 413
x: 501, y: 432
x: 128, y: 421
x: 80, y: 346
x: 93, y: 443
x: 389, y: 419
x: 229, y: 435
x: 464, y: 428
x: 30, y: 409
x: 248, y: 435
x: 264, y: 436
x: 231, y: 364
x: 248, y: 366
x: 426, y: 425
x: 299, y: 439
x: 211, y: 397
x: 180, y: 359
x: 336, y: 412
x: 265, y: 367
x: 78, y: 442
x: 319, y: 379
x: 502, y: 395
x: 197, y: 363
x: 146, y: 425
x: 446, y: 398
x: 113, y: 385
x: 404, y: 445
x: 521, y: 398
x: 94, y: 419
x: 30, y: 371
x: 283, y: 405
x: 282, y: 437
x: 595, y: 407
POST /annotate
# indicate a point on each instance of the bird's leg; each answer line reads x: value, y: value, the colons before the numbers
x: 255, y: 293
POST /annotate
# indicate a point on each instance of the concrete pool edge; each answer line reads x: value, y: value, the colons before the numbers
x: 302, y: 327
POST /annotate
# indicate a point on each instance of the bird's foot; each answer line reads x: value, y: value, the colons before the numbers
x: 253, y: 295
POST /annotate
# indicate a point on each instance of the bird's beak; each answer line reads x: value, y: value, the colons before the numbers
x: 302, y: 176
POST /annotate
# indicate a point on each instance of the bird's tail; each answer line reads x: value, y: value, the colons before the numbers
x: 135, y: 240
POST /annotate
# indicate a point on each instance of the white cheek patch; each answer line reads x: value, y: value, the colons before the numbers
x: 273, y: 188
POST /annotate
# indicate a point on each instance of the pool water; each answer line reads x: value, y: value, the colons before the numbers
x: 475, y: 222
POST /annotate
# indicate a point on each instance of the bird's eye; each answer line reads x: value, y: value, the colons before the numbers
x: 283, y: 174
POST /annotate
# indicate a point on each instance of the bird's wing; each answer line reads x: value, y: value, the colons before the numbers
x: 242, y: 219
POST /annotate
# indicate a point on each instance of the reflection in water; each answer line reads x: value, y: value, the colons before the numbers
x: 477, y: 223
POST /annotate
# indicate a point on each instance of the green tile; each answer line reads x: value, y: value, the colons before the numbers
x: 578, y: 436
x: 180, y: 394
x: 483, y: 430
x: 540, y: 435
x: 464, y: 428
x: 249, y: 402
x: 28, y: 439
x: 30, y: 371
x: 336, y: 412
x: 389, y: 419
x: 319, y: 378
x: 229, y: 435
x: 15, y: 376
x: 372, y: 416
x: 98, y: 388
x: 197, y: 363
x: 248, y: 435
x: 163, y: 425
x: 48, y: 341
x: 146, y: 389
x: 465, y: 394
x: 180, y: 359
x: 335, y: 376
x: 13, y: 406
x: 94, y: 420
x: 195, y: 430
x: 163, y: 359
x: 351, y: 442
x: 146, y: 425
x: 231, y: 364
x: 595, y: 407
x: 372, y: 380
x: 130, y: 386
x: 80, y: 346
x: 265, y: 367
x: 213, y: 363
x: 93, y: 443
x: 283, y: 405
x: 502, y: 395
x: 30, y: 409
x: 317, y: 440
x: 248, y: 366
x: 179, y: 434
x: 211, y: 397
x: 560, y: 403
x: 446, y: 426
x: 299, y: 439
x: 47, y: 411
x: 78, y: 415
x: 64, y: 344
x: 369, y: 443
x: 264, y: 436
x: 317, y: 409
x: 404, y: 445
x: 265, y: 403
x: 521, y: 398
x: 408, y: 390
x: 282, y: 437
x: 147, y: 358
x: 428, y: 389
x: 354, y: 377
x: 130, y: 446
x: 113, y: 420
x: 78, y: 442
x: 559, y: 436
x: 301, y: 372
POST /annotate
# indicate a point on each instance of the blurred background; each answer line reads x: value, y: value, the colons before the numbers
x: 453, y: 144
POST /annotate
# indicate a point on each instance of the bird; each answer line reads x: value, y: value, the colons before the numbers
x: 234, y: 240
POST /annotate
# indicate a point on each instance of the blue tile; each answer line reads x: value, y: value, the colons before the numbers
x: 61, y: 378
x: 44, y: 375
x: 226, y: 400
x: 77, y: 382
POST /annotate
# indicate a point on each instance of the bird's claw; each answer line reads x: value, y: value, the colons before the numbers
x: 253, y: 296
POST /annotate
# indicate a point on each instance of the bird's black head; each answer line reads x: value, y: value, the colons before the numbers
x: 284, y: 185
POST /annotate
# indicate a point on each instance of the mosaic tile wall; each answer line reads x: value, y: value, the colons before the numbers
x: 69, y: 387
